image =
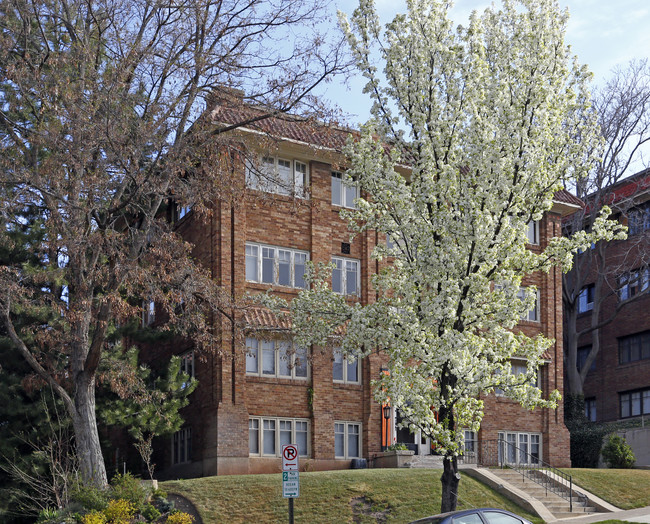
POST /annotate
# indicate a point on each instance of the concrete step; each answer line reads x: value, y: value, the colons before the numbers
x: 554, y: 502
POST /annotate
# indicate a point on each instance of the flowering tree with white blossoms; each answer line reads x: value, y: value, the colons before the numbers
x: 491, y: 120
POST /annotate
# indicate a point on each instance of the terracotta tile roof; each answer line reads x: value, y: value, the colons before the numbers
x: 263, y: 319
x: 567, y: 198
x: 284, y: 126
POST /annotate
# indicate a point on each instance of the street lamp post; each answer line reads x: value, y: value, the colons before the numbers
x: 386, y: 413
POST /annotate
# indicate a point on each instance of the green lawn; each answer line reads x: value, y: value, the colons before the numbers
x: 401, y: 495
x: 624, y: 488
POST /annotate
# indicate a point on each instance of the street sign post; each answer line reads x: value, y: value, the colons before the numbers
x: 290, y: 478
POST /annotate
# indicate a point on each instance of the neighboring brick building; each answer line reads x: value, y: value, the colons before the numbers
x: 617, y: 386
x: 249, y: 403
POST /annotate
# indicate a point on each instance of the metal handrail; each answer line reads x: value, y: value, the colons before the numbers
x: 494, y: 453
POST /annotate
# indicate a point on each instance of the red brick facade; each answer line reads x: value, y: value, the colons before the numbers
x: 612, y: 380
x: 227, y: 397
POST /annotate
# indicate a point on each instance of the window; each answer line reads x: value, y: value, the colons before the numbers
x: 148, y: 312
x: 278, y: 175
x: 635, y: 403
x: 533, y: 232
x: 498, y: 517
x: 342, y: 194
x: 266, y: 436
x: 521, y: 368
x: 344, y: 369
x: 583, y: 353
x: 275, y: 265
x: 633, y: 283
x: 275, y: 358
x: 347, y: 440
x: 586, y: 299
x: 590, y: 409
x: 182, y: 446
x: 390, y: 243
x: 519, y: 448
x: 187, y: 366
x: 533, y: 314
x: 469, y: 441
x: 345, y: 276
x: 639, y: 219
x: 634, y: 347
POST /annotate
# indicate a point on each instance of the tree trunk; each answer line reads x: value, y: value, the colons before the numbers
x: 89, y: 451
x: 450, y: 480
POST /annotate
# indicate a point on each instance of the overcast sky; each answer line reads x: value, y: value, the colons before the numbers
x: 603, y: 33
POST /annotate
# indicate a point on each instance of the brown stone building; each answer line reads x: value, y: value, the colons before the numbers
x: 259, y: 391
x: 617, y: 385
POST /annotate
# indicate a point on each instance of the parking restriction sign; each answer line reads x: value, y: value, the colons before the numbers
x: 289, y: 457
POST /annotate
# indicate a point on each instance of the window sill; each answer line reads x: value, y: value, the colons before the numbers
x: 298, y: 381
x: 355, y: 386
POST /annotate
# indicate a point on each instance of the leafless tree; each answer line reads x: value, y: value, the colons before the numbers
x: 623, y: 107
x: 101, y: 124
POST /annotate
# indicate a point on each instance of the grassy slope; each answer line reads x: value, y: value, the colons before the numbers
x: 624, y: 488
x: 325, y: 497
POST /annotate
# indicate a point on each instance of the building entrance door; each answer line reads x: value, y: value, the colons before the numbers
x: 414, y: 441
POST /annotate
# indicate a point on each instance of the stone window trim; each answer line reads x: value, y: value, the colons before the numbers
x: 520, y: 447
x: 532, y: 232
x: 345, y: 371
x: 278, y: 175
x: 343, y: 195
x: 347, y: 440
x: 276, y: 265
x: 346, y: 276
x: 519, y: 366
x: 267, y: 435
x: 534, y: 314
x: 276, y: 359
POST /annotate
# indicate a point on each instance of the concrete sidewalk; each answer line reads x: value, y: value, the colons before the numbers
x: 631, y: 515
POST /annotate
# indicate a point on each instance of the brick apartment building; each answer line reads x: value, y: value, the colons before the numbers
x: 617, y: 385
x: 259, y: 392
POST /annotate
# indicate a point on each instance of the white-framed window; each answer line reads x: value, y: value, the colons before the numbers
x: 533, y: 314
x: 469, y: 442
x: 278, y: 175
x: 347, y: 440
x: 344, y: 369
x: 586, y: 299
x: 632, y: 283
x: 275, y: 265
x: 182, y: 446
x: 346, y: 276
x: 148, y: 312
x: 267, y: 435
x: 187, y: 366
x: 517, y: 447
x: 532, y: 233
x: 590, y: 409
x: 520, y: 367
x: 276, y: 358
x: 343, y: 194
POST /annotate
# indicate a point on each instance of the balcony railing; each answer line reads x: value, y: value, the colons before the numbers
x: 502, y: 454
